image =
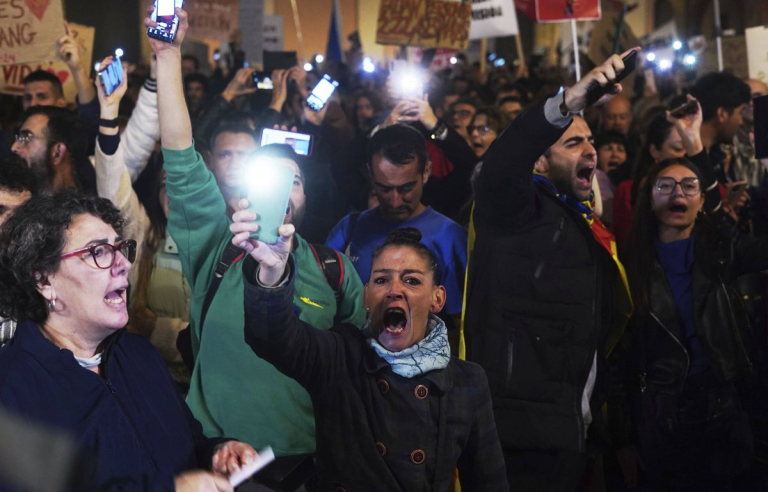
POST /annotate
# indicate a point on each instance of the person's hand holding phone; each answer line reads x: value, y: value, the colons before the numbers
x: 70, y: 50
x: 404, y: 111
x: 689, y: 127
x: 279, y: 89
x: 272, y: 258
x: 110, y: 104
x: 423, y: 113
x: 161, y: 47
x: 312, y: 116
x: 240, y: 85
x: 603, y: 76
x: 299, y: 76
x: 232, y: 455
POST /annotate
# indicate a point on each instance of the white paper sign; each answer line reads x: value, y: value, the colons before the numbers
x: 273, y: 33
x: 757, y: 52
x: 493, y: 19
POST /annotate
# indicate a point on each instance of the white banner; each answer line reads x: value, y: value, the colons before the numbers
x: 273, y: 33
x: 493, y: 19
x: 757, y: 52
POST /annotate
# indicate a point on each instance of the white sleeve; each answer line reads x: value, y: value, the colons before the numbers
x: 142, y: 132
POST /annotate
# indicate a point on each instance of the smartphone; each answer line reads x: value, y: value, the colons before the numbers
x: 407, y: 80
x: 301, y: 142
x: 167, y: 20
x: 760, y: 105
x: 735, y: 191
x: 322, y: 93
x: 596, y: 92
x: 112, y: 75
x: 261, y: 81
x: 691, y: 107
x: 268, y: 188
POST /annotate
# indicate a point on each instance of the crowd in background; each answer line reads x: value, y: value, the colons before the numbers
x: 439, y: 161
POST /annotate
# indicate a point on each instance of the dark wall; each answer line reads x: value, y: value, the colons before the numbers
x: 116, y: 21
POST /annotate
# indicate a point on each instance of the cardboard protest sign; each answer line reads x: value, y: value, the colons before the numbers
x: 757, y: 52
x: 566, y: 10
x: 493, y: 19
x: 424, y: 23
x: 12, y: 76
x: 29, y: 30
x: 213, y: 19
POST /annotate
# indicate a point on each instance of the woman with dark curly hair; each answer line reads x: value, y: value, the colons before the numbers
x: 64, y: 271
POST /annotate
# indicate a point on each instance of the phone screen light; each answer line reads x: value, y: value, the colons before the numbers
x: 97, y: 66
x: 650, y: 56
x: 368, y: 65
x: 689, y: 60
x: 454, y: 60
x: 499, y: 62
x: 665, y: 64
x: 410, y: 83
x: 119, y: 52
x: 319, y: 58
x: 307, y: 67
x: 677, y: 45
x: 262, y: 174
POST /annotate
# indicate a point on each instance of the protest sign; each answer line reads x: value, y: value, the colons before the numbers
x: 273, y: 33
x: 493, y: 19
x: 527, y: 8
x: 757, y: 52
x: 251, y: 24
x: 424, y: 23
x: 566, y: 10
x: 212, y: 19
x: 12, y: 76
x: 29, y: 30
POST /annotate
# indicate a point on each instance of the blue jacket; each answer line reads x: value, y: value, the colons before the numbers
x: 131, y: 418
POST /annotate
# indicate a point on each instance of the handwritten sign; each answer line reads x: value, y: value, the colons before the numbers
x: 492, y: 19
x: 213, y: 19
x: 273, y: 33
x: 12, y: 76
x: 757, y: 52
x: 29, y: 30
x: 424, y: 23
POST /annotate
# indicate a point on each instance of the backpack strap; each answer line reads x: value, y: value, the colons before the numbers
x: 231, y: 255
x: 330, y: 262
x: 350, y: 229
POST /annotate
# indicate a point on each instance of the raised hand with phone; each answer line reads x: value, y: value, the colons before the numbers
x: 110, y: 103
x: 687, y: 119
x: 600, y: 84
x: 71, y: 52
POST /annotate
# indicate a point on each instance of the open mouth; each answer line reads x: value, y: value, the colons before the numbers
x: 585, y: 173
x: 678, y: 208
x: 395, y: 321
x: 115, y: 297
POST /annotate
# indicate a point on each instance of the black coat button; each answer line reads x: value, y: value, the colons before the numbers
x: 382, y: 448
x: 418, y: 457
x: 383, y: 387
x: 421, y: 392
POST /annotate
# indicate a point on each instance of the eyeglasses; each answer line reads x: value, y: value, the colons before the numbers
x: 103, y: 254
x: 25, y: 136
x: 482, y: 130
x: 463, y: 113
x: 666, y: 185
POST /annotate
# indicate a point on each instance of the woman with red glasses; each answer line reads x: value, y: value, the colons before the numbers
x: 64, y: 274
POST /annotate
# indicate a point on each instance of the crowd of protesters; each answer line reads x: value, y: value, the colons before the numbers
x: 487, y: 282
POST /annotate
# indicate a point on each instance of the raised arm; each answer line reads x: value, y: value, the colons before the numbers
x: 143, y: 129
x: 505, y: 186
x: 175, y: 125
x: 272, y: 329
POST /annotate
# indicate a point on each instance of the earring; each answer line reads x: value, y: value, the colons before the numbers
x: 52, y: 305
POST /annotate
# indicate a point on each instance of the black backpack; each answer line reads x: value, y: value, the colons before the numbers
x: 329, y: 261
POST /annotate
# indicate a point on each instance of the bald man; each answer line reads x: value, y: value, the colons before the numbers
x: 617, y: 116
x: 745, y: 166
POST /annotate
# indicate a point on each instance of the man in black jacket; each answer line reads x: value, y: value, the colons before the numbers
x: 543, y: 285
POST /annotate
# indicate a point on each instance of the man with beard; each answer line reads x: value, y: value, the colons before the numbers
x: 546, y: 297
x: 232, y: 391
x: 54, y: 145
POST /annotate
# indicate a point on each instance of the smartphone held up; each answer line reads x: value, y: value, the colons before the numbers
x: 267, y: 187
x: 112, y: 75
x: 322, y: 92
x: 167, y: 20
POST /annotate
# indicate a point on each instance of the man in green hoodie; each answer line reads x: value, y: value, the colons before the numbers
x: 233, y: 392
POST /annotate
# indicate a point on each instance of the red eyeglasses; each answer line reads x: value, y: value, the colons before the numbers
x: 104, y: 254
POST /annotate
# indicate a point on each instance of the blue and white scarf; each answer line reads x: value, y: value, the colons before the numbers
x: 430, y: 354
